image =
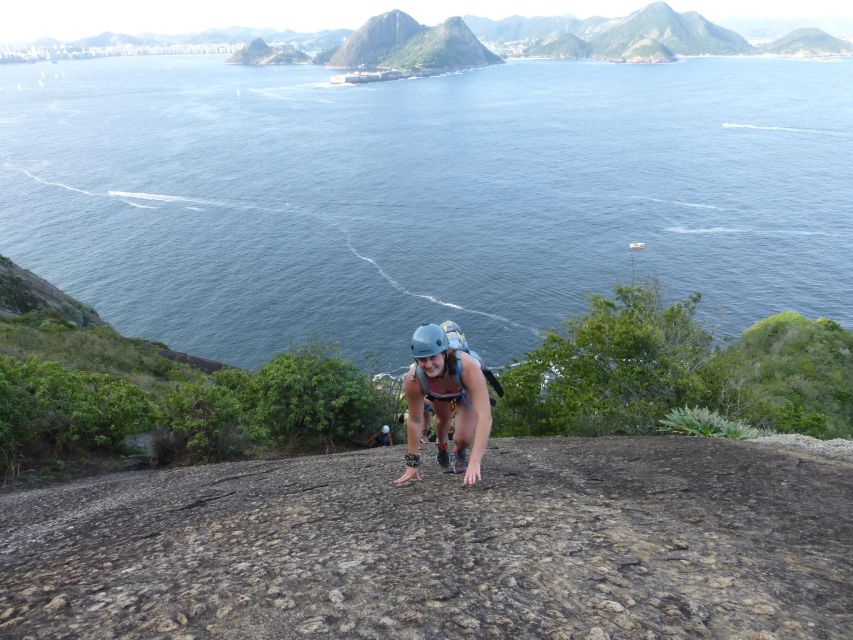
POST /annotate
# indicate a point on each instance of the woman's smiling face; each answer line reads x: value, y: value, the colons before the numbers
x: 433, y: 365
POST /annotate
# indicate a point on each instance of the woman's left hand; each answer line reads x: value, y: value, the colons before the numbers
x: 410, y: 475
x: 472, y: 474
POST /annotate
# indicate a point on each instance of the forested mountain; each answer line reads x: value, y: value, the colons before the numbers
x: 809, y: 42
x: 109, y: 39
x: 450, y: 45
x: 395, y: 40
x: 561, y: 45
x: 683, y: 34
x: 648, y: 50
x: 259, y: 52
x: 655, y: 33
x: 518, y: 28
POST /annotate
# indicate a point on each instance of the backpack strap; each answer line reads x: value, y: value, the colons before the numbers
x: 455, y: 378
x: 421, y: 377
x: 493, y: 381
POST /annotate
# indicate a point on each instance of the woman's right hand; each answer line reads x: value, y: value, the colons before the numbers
x: 412, y: 474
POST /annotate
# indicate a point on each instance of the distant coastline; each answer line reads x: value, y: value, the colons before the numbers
x: 654, y: 34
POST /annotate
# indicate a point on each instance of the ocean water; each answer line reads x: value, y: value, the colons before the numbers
x: 233, y: 212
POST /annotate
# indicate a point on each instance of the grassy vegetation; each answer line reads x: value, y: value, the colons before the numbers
x: 704, y: 422
x: 47, y: 335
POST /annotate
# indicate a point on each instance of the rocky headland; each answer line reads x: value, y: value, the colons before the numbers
x: 22, y: 291
x: 654, y: 537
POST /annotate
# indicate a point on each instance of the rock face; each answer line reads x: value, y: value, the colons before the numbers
x: 395, y: 40
x: 616, y: 538
x: 450, y: 45
x: 369, y: 44
x: 22, y: 291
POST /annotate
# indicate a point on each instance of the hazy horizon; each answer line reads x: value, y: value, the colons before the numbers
x: 66, y: 21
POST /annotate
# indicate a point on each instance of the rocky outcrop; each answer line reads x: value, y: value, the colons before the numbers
x: 395, y: 40
x: 449, y: 45
x: 620, y: 538
x: 375, y: 39
x: 22, y: 291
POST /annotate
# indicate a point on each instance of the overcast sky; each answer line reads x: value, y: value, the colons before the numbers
x: 69, y: 19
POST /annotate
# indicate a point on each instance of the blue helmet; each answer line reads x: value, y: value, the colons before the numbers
x: 428, y: 340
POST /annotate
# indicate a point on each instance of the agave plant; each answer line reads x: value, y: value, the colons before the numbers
x: 703, y: 422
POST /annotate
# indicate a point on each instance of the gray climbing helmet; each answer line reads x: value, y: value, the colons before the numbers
x: 428, y: 340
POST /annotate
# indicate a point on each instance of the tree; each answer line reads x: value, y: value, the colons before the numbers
x: 617, y: 369
x: 206, y: 421
x: 790, y: 374
x: 310, y: 398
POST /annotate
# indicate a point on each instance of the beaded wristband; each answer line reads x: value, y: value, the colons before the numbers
x: 412, y: 460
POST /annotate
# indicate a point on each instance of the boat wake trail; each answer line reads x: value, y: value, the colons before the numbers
x: 138, y: 199
x: 48, y: 182
x: 691, y: 205
x: 138, y: 206
x: 399, y: 287
x: 757, y: 127
x: 158, y: 197
x: 733, y: 230
x: 705, y: 230
x: 128, y: 197
x: 193, y: 204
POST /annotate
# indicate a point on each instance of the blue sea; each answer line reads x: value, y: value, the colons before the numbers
x: 235, y: 212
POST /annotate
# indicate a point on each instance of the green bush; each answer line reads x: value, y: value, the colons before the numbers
x: 72, y: 409
x: 788, y: 374
x: 204, y: 423
x: 703, y: 422
x: 311, y: 399
x: 617, y: 369
x: 241, y: 383
x: 115, y: 408
x: 13, y: 412
x: 45, y: 408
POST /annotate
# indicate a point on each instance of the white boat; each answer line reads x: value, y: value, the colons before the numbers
x: 637, y: 245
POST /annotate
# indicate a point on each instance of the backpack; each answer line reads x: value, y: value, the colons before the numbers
x: 457, y: 340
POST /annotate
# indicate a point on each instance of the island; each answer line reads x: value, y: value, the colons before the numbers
x: 394, y: 45
x: 258, y: 52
